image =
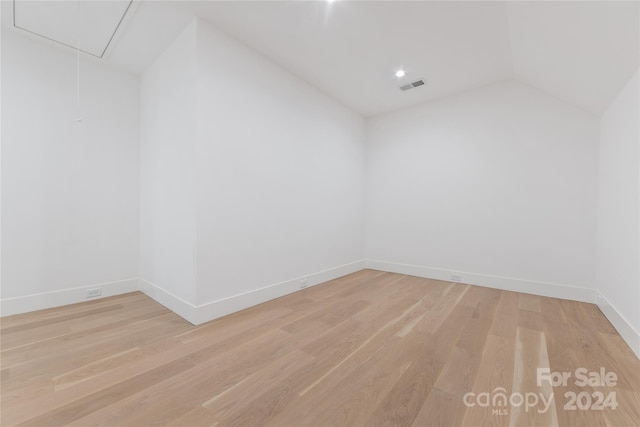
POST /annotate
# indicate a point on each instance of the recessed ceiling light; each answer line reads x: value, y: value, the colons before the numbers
x: 331, y: 1
x: 400, y: 73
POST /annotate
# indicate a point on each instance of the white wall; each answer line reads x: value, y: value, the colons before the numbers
x: 497, y: 182
x: 250, y: 179
x: 167, y: 171
x: 618, y: 274
x: 69, y: 192
x: 280, y: 173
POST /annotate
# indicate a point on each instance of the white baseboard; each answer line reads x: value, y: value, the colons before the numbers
x: 624, y: 328
x: 41, y: 301
x: 212, y: 310
x: 198, y: 314
x: 222, y: 307
x: 182, y: 308
x: 546, y: 289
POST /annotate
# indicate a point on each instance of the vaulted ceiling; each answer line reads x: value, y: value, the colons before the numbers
x: 582, y: 52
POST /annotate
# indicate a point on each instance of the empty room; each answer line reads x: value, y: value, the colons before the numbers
x: 320, y: 213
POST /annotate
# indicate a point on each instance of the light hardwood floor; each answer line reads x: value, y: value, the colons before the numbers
x: 371, y: 349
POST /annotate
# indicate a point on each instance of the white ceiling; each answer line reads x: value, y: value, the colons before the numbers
x: 351, y: 50
x: 581, y: 52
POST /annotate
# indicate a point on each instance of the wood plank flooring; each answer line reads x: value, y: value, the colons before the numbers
x: 368, y: 349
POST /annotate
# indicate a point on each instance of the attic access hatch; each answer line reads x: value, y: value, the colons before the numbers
x: 412, y: 85
x: 91, y: 25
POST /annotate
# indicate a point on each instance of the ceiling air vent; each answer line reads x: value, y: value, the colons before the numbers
x: 417, y: 83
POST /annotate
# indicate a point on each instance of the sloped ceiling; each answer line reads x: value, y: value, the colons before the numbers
x: 351, y: 50
x: 580, y: 51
